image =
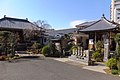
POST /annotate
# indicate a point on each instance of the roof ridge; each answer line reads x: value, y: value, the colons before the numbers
x: 87, y: 23
x: 17, y: 23
x: 65, y: 29
x: 14, y: 19
x: 109, y: 20
x: 102, y: 18
x: 97, y: 27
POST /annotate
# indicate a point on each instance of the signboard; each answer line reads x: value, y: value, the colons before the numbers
x: 91, y: 41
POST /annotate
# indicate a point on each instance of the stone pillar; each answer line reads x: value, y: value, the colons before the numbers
x: 106, y: 50
x: 58, y: 46
x: 79, y: 53
x: 91, y: 43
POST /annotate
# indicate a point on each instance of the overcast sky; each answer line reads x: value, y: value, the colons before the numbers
x: 59, y: 14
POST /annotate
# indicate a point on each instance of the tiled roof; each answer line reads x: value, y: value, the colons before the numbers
x: 15, y: 23
x: 85, y: 24
x: 62, y: 32
x: 102, y: 24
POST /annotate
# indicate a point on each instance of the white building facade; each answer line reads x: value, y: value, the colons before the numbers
x: 115, y: 11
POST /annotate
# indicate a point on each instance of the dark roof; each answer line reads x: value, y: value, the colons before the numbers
x: 15, y: 23
x: 86, y: 24
x: 102, y: 24
x: 62, y: 32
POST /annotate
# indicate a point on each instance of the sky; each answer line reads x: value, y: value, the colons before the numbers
x: 60, y: 14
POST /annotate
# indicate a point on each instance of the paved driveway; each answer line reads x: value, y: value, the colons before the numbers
x: 47, y: 69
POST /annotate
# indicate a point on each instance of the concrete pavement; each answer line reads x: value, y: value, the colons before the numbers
x: 76, y: 62
x: 97, y: 68
x: 47, y: 69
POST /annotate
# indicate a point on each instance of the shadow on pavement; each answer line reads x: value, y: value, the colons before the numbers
x: 26, y: 58
x: 32, y: 57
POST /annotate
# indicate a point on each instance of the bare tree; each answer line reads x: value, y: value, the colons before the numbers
x: 28, y: 34
x: 43, y: 24
x: 31, y: 33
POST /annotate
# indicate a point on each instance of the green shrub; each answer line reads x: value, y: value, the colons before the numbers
x: 3, y: 58
x: 102, y: 50
x: 51, y: 51
x: 99, y: 59
x: 114, y: 71
x: 16, y: 57
x: 97, y: 56
x: 99, y: 46
x: 112, y: 63
x: 118, y: 65
x: 74, y: 47
x: 46, y: 50
x: 117, y: 39
x: 36, y: 46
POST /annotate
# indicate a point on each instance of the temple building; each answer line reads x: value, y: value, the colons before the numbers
x: 103, y: 30
x: 16, y: 26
